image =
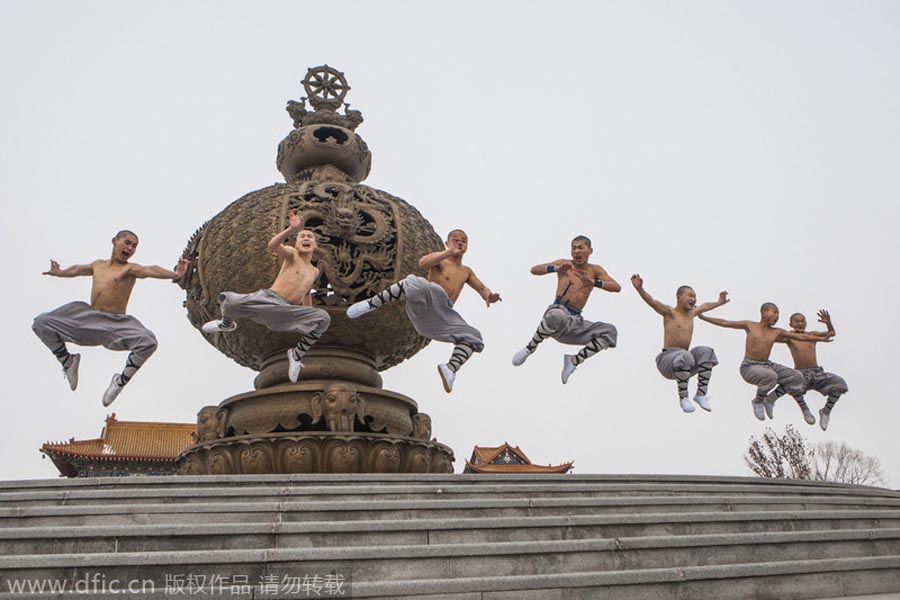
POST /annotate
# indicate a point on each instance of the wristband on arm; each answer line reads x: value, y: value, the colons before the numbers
x: 551, y: 269
x: 598, y: 283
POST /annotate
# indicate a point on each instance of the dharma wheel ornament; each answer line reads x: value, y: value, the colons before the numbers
x: 336, y: 418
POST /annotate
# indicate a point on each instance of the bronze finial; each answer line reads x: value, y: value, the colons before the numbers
x: 326, y: 88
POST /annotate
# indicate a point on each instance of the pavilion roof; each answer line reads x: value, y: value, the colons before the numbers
x: 483, y: 455
x: 129, y: 440
x: 491, y: 468
x: 507, y: 459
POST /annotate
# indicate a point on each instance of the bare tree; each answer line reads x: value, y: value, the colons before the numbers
x: 790, y: 456
x: 840, y: 462
x: 781, y: 456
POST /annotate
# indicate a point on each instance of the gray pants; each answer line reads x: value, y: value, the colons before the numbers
x: 570, y: 328
x: 271, y: 310
x: 80, y: 323
x: 430, y: 311
x: 765, y: 375
x: 676, y: 359
x: 827, y: 384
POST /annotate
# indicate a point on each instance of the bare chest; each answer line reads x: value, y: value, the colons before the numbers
x: 111, y: 288
x: 109, y: 278
x: 574, y: 287
x: 451, y: 277
x: 804, y: 354
x: 762, y: 338
x: 680, y: 324
x: 296, y: 275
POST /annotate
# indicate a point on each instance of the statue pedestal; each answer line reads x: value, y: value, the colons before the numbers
x: 321, y: 425
x: 315, y: 452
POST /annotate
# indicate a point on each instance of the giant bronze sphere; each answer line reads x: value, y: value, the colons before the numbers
x: 367, y: 240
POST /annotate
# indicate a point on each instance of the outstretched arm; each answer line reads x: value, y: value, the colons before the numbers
x: 560, y: 266
x: 723, y: 299
x: 812, y: 336
x: 652, y: 302
x: 156, y: 272
x: 724, y: 323
x: 825, y: 318
x: 73, y: 271
x: 276, y: 244
x: 484, y: 291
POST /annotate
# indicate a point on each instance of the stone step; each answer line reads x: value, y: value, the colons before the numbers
x: 399, y: 571
x: 451, y: 536
x: 288, y: 510
x: 409, y: 562
x: 363, y: 481
x: 809, y: 579
x: 873, y: 578
x: 400, y: 491
x: 322, y: 534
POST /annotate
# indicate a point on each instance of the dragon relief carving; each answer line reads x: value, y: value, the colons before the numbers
x: 357, y: 239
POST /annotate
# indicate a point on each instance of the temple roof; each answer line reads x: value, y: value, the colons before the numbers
x: 507, y: 459
x: 129, y: 440
x: 486, y: 454
x: 490, y: 468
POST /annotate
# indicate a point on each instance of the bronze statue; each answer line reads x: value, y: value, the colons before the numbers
x: 367, y: 239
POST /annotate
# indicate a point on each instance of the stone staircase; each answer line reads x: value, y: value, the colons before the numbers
x: 463, y: 537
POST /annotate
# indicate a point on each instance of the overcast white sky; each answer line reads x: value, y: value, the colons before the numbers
x: 744, y: 146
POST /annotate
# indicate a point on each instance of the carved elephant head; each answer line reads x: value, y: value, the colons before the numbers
x: 207, y: 422
x: 421, y: 427
x: 339, y: 404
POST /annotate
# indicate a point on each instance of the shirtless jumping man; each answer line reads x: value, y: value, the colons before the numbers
x: 287, y: 305
x: 429, y: 303
x: 814, y: 377
x: 103, y: 322
x: 756, y: 367
x: 678, y: 360
x: 575, y: 280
